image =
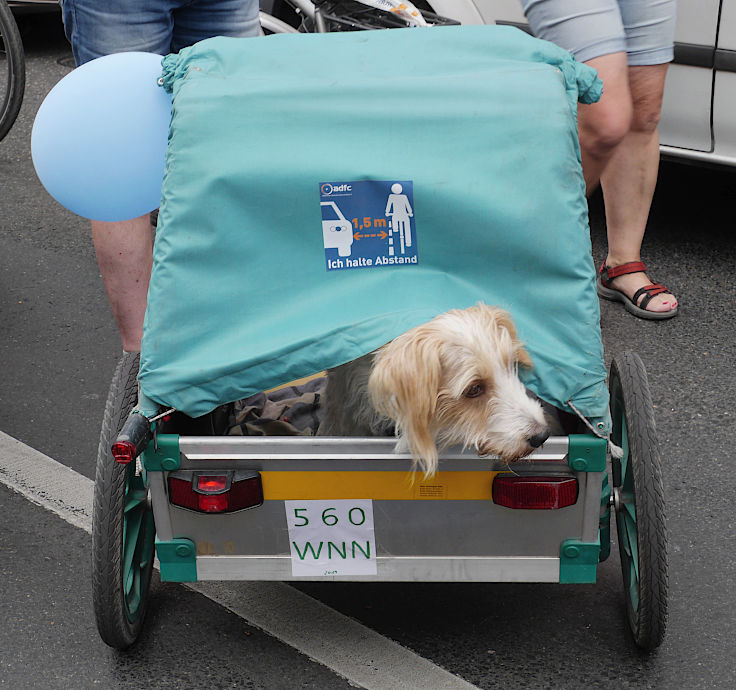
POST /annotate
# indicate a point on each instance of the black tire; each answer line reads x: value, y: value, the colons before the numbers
x: 12, y: 70
x: 123, y: 530
x: 639, y: 501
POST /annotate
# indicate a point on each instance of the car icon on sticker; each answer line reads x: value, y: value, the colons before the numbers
x: 337, y: 230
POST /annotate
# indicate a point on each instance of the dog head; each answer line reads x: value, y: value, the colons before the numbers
x: 454, y: 380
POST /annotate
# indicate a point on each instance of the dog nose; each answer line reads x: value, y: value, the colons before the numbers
x: 538, y: 439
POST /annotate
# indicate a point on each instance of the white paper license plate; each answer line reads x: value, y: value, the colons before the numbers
x: 331, y: 538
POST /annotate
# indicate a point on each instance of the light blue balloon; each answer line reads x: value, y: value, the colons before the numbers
x: 99, y: 138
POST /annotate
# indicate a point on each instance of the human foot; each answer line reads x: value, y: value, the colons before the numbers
x: 633, y: 288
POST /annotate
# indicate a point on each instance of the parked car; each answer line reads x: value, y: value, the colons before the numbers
x: 699, y: 110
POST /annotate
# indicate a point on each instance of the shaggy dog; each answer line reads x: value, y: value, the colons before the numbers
x: 453, y: 380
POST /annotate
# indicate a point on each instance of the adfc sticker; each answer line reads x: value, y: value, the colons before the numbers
x: 368, y: 224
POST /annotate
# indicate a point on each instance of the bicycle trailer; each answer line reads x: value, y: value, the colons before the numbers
x: 469, y: 135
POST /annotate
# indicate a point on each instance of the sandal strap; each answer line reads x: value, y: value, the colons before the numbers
x: 608, y: 273
x: 649, y: 291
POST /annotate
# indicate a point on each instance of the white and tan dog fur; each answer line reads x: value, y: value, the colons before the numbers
x: 453, y: 380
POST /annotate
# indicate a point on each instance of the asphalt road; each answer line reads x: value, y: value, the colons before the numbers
x: 59, y: 347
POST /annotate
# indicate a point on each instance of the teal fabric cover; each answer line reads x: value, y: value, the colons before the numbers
x: 478, y: 124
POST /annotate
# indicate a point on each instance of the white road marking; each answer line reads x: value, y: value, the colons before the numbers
x: 350, y: 649
x: 47, y: 483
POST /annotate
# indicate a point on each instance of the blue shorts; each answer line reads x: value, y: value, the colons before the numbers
x: 643, y: 29
x: 100, y: 27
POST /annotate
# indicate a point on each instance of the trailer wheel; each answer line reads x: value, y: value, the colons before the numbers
x: 639, y: 501
x: 122, y: 523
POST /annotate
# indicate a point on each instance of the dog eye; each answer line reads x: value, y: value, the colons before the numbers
x: 475, y: 390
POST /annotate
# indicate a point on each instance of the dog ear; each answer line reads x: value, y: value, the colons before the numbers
x: 503, y: 320
x: 522, y: 358
x: 404, y: 385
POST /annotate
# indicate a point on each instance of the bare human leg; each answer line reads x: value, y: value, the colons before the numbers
x: 125, y: 256
x: 620, y: 148
x: 603, y: 125
x: 628, y: 183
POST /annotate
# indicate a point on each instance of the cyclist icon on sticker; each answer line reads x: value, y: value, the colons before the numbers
x: 368, y: 223
x: 400, y: 211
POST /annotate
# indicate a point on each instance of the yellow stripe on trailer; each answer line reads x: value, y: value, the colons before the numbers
x: 380, y: 486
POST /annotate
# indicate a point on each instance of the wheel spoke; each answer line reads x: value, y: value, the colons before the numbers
x: 633, y: 587
x: 627, y: 504
x: 629, y: 547
x: 135, y: 557
x: 135, y: 502
x: 148, y: 544
x: 136, y: 494
x: 632, y: 543
x: 131, y: 537
x: 631, y: 567
x: 627, y: 515
x: 625, y: 463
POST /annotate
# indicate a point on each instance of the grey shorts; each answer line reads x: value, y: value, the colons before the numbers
x: 643, y: 29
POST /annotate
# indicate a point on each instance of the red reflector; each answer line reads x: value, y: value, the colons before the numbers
x: 215, y: 493
x: 535, y: 493
x: 123, y: 452
x: 246, y: 493
x: 211, y: 485
x: 182, y: 494
x: 217, y: 503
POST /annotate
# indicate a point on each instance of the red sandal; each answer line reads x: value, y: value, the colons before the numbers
x: 632, y: 305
